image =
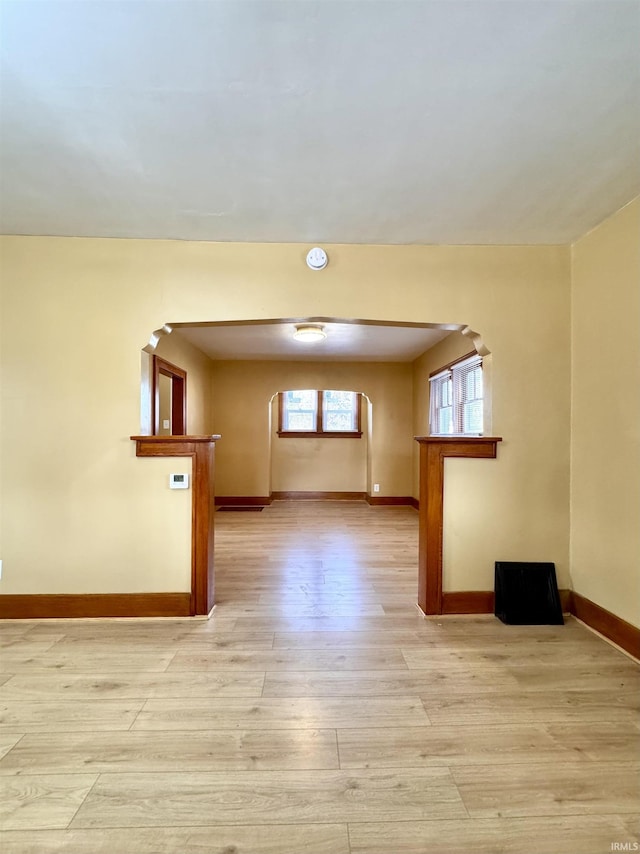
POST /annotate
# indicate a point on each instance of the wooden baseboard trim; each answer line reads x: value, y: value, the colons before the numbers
x: 468, y: 602
x: 483, y: 602
x: 318, y: 496
x: 616, y: 629
x: 76, y: 605
x: 393, y: 500
x: 242, y: 500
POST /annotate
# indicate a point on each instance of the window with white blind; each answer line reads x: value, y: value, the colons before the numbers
x: 312, y: 412
x: 456, y: 399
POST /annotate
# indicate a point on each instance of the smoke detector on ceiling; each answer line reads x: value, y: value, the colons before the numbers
x: 317, y: 258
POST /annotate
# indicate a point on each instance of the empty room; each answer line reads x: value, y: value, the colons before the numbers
x: 315, y: 535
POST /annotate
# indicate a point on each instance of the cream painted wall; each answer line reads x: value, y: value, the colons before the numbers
x: 243, y: 392
x: 165, y: 393
x: 605, y: 417
x: 317, y: 464
x: 82, y: 513
x: 472, y: 537
x: 180, y: 352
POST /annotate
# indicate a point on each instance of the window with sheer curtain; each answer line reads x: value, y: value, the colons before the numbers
x: 456, y: 398
x: 311, y: 412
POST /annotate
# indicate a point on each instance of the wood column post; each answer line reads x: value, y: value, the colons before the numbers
x: 201, y: 451
x: 433, y: 450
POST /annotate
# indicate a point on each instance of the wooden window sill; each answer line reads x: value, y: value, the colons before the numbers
x: 314, y: 434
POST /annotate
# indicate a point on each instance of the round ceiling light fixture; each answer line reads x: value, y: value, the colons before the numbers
x: 309, y: 334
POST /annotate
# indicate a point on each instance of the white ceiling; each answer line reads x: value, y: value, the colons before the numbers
x: 346, y: 121
x: 345, y: 342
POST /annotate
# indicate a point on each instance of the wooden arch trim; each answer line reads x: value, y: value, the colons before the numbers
x: 433, y: 451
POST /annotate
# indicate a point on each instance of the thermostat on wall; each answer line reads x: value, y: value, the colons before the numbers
x: 179, y: 481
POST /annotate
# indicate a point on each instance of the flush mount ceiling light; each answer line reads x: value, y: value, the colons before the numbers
x: 309, y: 334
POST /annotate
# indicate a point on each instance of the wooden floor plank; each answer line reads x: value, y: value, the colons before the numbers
x: 356, y: 622
x: 281, y: 713
x: 67, y: 715
x: 8, y: 741
x: 449, y: 746
x: 516, y: 707
x: 384, y: 683
x: 275, y: 797
x: 89, y: 660
x: 384, y: 658
x: 163, y: 752
x: 260, y: 839
x: 624, y: 675
x: 42, y: 801
x: 127, y: 685
x: 182, y: 641
x: 544, y: 789
x: 367, y: 639
x: 470, y: 654
x: 574, y: 834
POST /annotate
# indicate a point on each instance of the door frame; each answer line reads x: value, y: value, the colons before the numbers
x: 178, y: 379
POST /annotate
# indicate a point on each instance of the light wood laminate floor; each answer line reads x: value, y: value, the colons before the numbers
x: 317, y: 712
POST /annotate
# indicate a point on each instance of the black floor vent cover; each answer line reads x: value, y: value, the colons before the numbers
x: 527, y: 594
x: 241, y: 508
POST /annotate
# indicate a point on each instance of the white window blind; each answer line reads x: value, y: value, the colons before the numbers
x: 339, y: 411
x: 300, y: 410
x: 456, y: 399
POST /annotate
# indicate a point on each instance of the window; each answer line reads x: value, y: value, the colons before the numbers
x: 456, y: 407
x: 309, y: 412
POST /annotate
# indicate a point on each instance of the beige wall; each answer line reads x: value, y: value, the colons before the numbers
x: 318, y: 464
x: 82, y: 513
x: 605, y: 418
x: 250, y: 461
x: 165, y: 394
x: 473, y: 536
x: 180, y: 352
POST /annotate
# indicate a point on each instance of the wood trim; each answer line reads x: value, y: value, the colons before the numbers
x: 414, y: 503
x: 178, y: 378
x: 76, y: 605
x: 482, y: 602
x: 455, y: 362
x: 390, y: 500
x: 243, y: 500
x: 433, y: 451
x: 315, y: 434
x: 449, y: 327
x: 177, y: 440
x: 615, y: 628
x: 468, y: 602
x: 318, y: 496
x: 201, y: 451
x: 565, y: 600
